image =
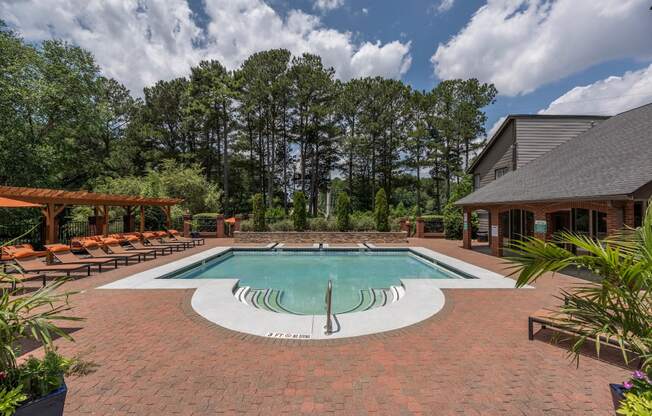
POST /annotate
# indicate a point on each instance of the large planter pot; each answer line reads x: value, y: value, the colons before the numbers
x: 50, y: 405
x: 617, y: 394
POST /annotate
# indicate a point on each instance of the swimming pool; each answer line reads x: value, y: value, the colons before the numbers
x: 295, y: 281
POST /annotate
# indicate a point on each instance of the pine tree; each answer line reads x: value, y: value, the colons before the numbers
x: 259, y: 213
x: 381, y: 213
x: 299, y: 213
x: 343, y: 212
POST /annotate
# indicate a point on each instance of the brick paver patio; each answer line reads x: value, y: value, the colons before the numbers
x: 155, y: 356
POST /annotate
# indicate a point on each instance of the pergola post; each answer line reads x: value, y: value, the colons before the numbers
x: 51, y: 211
x: 128, y: 225
x: 105, y: 220
x: 142, y: 218
x: 168, y: 220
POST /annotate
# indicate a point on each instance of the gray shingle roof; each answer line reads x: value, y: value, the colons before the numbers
x: 612, y: 159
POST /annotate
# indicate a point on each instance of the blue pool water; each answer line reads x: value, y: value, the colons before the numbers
x: 302, y: 277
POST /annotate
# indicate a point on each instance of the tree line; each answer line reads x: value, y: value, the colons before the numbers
x: 277, y: 124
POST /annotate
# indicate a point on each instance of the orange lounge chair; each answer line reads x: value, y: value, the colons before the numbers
x: 135, y: 242
x: 29, y: 262
x: 62, y: 253
x: 114, y: 246
x: 93, y: 248
x: 165, y: 238
x: 195, y: 241
x: 152, y: 239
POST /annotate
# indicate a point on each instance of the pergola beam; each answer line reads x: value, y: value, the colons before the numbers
x: 55, y: 201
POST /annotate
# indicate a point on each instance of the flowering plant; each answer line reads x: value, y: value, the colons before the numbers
x: 638, y: 397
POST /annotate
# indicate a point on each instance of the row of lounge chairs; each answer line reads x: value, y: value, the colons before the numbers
x: 102, y: 251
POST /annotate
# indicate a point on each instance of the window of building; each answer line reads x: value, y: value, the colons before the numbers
x: 638, y: 213
x: 599, y: 225
x: 476, y: 181
x: 500, y: 172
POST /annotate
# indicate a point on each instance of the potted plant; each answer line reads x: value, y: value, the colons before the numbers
x: 633, y: 397
x: 35, y: 386
x: 618, y: 308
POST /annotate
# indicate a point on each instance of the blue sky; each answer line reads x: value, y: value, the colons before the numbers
x: 555, y: 56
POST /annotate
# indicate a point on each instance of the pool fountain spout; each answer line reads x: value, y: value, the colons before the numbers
x: 329, y: 302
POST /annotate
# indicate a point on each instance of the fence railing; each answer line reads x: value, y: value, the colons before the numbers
x: 434, y: 225
x: 72, y: 229
x: 9, y: 232
x: 116, y: 226
x: 204, y: 225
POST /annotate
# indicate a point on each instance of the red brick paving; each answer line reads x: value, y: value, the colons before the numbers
x: 157, y: 357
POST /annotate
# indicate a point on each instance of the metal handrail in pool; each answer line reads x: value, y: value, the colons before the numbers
x: 329, y: 303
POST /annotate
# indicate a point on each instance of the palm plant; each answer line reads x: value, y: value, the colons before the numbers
x: 31, y: 317
x: 619, y: 307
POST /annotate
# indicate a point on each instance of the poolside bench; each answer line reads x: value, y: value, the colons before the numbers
x: 549, y: 319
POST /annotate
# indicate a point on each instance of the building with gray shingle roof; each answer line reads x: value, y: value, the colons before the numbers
x: 594, y: 183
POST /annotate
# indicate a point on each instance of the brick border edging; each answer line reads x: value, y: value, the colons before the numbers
x: 185, y: 305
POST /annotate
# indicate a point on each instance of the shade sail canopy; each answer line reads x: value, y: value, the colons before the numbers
x: 14, y: 203
x: 55, y: 196
x: 230, y: 220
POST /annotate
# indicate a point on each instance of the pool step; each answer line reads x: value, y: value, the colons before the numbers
x: 265, y: 299
x: 270, y: 299
x: 375, y: 298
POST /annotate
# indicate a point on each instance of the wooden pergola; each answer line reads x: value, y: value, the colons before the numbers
x: 54, y: 201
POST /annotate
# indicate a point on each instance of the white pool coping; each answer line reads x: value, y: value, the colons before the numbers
x: 214, y: 300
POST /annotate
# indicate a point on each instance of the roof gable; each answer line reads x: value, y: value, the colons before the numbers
x: 613, y: 159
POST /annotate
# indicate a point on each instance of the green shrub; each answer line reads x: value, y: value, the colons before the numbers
x: 202, y: 215
x: 299, y: 211
x: 381, y: 213
x: 258, y: 213
x: 247, y: 225
x: 282, y: 225
x: 343, y: 212
x: 322, y: 224
x: 363, y: 222
x: 274, y: 214
x: 454, y: 222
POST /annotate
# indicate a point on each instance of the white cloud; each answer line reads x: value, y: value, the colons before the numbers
x: 609, y: 96
x: 520, y: 45
x: 365, y: 10
x: 496, y: 126
x: 445, y: 5
x: 326, y: 5
x: 140, y: 42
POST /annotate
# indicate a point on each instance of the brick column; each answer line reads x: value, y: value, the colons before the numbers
x: 495, y: 233
x: 219, y: 223
x: 628, y: 215
x: 420, y: 227
x: 467, y: 229
x: 404, y: 225
x: 187, y: 223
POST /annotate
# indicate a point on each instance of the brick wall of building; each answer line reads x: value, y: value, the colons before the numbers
x: 619, y: 214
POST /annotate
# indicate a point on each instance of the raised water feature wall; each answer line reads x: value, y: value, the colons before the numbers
x: 319, y: 237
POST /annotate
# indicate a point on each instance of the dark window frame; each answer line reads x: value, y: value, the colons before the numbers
x: 500, y: 172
